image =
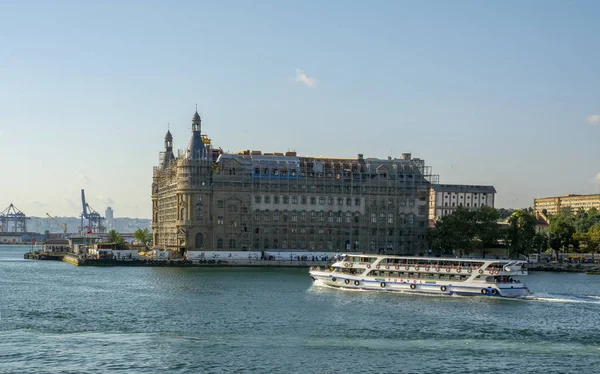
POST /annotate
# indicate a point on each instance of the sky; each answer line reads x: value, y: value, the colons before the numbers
x: 486, y: 92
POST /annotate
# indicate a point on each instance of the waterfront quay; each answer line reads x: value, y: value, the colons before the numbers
x: 80, y: 261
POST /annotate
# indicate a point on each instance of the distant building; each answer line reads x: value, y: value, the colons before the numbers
x: 110, y: 219
x: 553, y: 204
x: 444, y: 199
x: 211, y: 200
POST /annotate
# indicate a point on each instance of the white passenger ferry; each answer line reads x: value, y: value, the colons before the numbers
x: 431, y: 275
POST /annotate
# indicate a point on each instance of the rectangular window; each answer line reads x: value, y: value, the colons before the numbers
x: 330, y: 200
x: 312, y: 216
x: 303, y: 199
x: 321, y: 200
x: 286, y: 199
x: 313, y: 200
x: 276, y: 199
x: 294, y: 199
x: 303, y: 216
x: 219, y: 220
x: 219, y: 203
x: 267, y: 199
x: 357, y: 201
x: 321, y: 216
x: 257, y: 199
x: 294, y: 216
x: 348, y: 201
x: 340, y: 201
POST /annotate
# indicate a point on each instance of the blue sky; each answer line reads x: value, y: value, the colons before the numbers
x: 501, y: 93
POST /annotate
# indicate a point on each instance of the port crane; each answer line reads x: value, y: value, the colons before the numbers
x: 63, y: 227
x: 94, y: 219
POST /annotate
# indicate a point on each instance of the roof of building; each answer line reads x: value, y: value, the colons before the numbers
x: 196, y: 117
x: 463, y: 188
x: 195, y: 149
x: 168, y: 136
x: 57, y: 241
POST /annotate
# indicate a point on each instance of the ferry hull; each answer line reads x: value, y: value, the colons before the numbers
x: 418, y: 286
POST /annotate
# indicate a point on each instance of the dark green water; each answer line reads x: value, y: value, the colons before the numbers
x: 56, y: 317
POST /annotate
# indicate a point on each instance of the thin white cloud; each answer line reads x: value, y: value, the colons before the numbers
x: 83, y: 179
x: 593, y: 119
x: 106, y: 200
x: 597, y: 178
x: 305, y: 79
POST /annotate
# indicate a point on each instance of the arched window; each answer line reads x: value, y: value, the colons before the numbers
x: 275, y: 243
x: 199, y: 240
x: 373, y: 217
x: 231, y: 243
x: 266, y: 243
x: 382, y: 217
x: 219, y: 243
x: 390, y: 217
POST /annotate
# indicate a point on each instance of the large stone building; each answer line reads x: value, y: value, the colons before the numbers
x: 444, y: 199
x: 551, y: 205
x: 207, y: 199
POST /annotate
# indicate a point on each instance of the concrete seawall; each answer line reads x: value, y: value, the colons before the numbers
x: 563, y: 267
x: 74, y: 260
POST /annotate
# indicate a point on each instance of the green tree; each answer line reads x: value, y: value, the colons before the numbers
x: 521, y: 232
x: 454, y: 232
x: 115, y: 238
x: 562, y: 230
x: 143, y: 236
x: 540, y: 242
x: 486, y: 228
x: 591, y: 239
x: 46, y: 234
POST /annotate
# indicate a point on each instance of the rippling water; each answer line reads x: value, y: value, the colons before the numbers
x: 55, y: 317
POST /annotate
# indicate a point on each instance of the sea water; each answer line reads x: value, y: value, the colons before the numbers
x: 58, y: 318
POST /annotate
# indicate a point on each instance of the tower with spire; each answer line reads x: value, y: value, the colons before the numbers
x: 187, y: 180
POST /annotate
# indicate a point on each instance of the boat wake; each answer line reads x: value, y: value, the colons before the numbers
x: 551, y: 298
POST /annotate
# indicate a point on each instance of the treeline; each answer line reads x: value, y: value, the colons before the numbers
x: 575, y: 231
x: 467, y: 232
x: 473, y: 231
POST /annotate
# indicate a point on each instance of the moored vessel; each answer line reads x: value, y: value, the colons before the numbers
x: 430, y: 275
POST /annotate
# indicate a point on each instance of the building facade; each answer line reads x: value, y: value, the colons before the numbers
x: 551, y: 205
x: 444, y: 199
x: 207, y: 199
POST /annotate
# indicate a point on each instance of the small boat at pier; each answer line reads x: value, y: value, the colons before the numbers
x: 429, y: 275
